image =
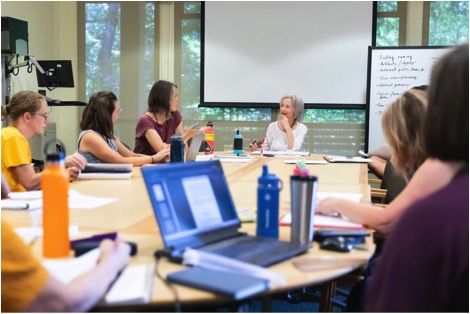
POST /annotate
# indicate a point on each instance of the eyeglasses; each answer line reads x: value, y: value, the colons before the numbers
x: 44, y: 115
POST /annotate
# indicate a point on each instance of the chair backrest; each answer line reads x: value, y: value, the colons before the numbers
x: 393, y: 182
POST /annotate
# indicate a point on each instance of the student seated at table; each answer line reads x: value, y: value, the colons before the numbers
x: 29, y: 115
x: 287, y: 133
x: 425, y: 262
x: 28, y: 287
x: 402, y: 124
x: 97, y: 142
x: 155, y: 127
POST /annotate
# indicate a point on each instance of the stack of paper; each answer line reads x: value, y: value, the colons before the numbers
x: 23, y: 200
x: 234, y: 158
x: 347, y: 159
x: 106, y: 171
x: 134, y: 285
x: 307, y: 161
x: 22, y: 205
x: 33, y: 200
x: 281, y: 153
x: 323, y: 221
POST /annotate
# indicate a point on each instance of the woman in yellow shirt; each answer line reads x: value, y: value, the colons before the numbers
x: 29, y: 115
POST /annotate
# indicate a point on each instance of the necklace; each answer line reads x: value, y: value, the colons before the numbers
x: 156, y: 119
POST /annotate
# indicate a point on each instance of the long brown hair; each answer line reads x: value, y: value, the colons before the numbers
x: 159, y: 97
x: 97, y: 115
x: 447, y: 119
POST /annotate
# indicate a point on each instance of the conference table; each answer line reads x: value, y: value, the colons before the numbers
x: 132, y: 217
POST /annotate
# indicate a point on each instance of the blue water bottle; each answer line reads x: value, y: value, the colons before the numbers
x: 269, y: 186
x: 176, y: 147
x: 238, y: 143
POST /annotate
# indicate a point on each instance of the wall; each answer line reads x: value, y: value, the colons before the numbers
x: 52, y: 28
x: 53, y: 35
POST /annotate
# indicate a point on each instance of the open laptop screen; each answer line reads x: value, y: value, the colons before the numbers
x: 189, y: 199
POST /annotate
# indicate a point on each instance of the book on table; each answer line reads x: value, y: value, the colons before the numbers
x: 106, y: 171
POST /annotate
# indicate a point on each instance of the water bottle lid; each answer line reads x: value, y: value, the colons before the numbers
x: 209, y: 123
x: 55, y: 156
x: 52, y: 151
x: 267, y: 178
x: 238, y: 135
x: 177, y: 136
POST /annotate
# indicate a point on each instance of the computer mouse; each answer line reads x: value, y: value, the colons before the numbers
x: 338, y: 244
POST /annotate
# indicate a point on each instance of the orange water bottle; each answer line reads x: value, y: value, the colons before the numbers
x: 55, y: 211
x: 209, y: 145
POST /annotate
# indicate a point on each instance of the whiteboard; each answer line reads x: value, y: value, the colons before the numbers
x: 391, y: 72
x: 257, y: 51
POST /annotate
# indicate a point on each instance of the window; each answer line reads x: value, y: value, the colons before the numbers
x: 330, y: 130
x: 444, y: 23
x: 448, y: 22
x: 102, y: 46
x: 391, y: 18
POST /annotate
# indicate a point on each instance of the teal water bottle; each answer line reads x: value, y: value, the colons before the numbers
x: 238, y: 143
x: 267, y: 221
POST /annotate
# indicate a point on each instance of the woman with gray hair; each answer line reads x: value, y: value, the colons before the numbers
x: 287, y: 133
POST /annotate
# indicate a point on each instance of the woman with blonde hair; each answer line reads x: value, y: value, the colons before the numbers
x: 403, y: 125
x: 29, y: 115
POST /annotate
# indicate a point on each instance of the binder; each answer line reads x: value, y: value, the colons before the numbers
x: 236, y: 286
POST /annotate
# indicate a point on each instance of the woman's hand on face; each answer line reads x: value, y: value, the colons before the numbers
x: 285, y: 123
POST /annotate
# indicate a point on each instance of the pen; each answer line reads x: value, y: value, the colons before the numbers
x: 197, y: 127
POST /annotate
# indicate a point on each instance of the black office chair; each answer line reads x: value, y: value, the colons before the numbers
x: 391, y: 185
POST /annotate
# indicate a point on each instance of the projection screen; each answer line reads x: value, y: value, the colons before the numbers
x: 254, y: 52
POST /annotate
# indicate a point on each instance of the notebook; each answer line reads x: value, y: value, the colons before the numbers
x: 240, y: 286
x: 104, y: 171
x: 194, y: 208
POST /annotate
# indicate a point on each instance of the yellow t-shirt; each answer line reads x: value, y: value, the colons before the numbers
x: 15, y: 152
x: 23, y: 276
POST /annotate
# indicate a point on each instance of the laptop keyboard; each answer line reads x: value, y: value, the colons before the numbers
x: 260, y: 251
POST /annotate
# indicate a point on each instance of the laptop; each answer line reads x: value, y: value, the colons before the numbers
x: 194, y: 208
x: 194, y: 147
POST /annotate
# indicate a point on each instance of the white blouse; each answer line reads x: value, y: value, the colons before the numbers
x: 277, y: 139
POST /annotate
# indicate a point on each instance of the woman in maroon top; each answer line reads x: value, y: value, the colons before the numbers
x: 161, y: 121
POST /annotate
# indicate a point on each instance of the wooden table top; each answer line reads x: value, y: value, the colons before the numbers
x: 132, y: 216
